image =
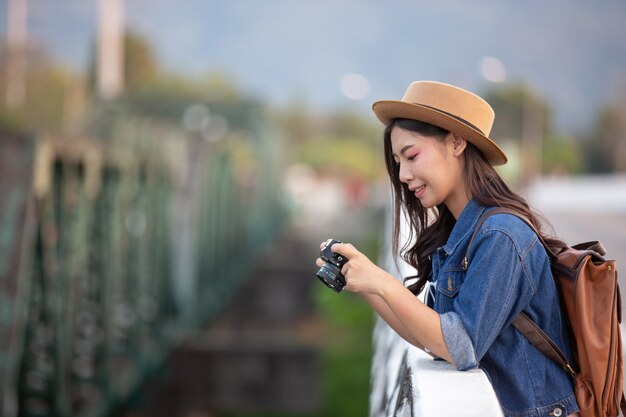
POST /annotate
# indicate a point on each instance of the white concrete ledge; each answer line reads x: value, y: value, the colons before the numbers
x: 408, y: 382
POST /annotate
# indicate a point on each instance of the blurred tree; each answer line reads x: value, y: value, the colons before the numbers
x: 45, y: 98
x: 140, y: 63
x: 141, y: 66
x: 522, y: 117
x: 355, y: 125
x: 45, y: 103
x: 341, y: 143
x: 561, y: 155
x: 514, y: 106
x: 605, y: 147
x: 213, y: 86
x: 10, y: 122
x: 296, y: 121
x: 344, y: 156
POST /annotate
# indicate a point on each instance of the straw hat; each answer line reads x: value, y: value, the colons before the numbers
x: 448, y: 107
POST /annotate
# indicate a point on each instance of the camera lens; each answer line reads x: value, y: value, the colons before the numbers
x: 330, y: 275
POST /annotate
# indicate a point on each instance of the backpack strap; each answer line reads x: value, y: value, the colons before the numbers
x: 503, y: 210
x: 542, y: 341
x: 594, y: 246
x: 522, y: 322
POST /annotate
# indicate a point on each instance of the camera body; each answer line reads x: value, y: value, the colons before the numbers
x: 330, y: 273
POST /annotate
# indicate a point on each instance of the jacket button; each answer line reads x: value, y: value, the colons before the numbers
x: 558, y: 412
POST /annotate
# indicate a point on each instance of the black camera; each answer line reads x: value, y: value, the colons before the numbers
x: 330, y: 273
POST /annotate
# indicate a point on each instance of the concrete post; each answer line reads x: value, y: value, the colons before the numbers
x: 16, y: 48
x: 110, y: 74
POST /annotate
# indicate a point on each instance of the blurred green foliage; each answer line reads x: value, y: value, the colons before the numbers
x: 560, y: 155
x: 523, y: 117
x: 10, y: 122
x: 347, y: 354
x: 342, y: 143
x: 141, y: 66
x: 140, y: 63
x: 346, y: 351
x: 341, y: 155
x: 49, y: 92
x: 605, y: 146
x: 58, y: 100
x: 513, y: 104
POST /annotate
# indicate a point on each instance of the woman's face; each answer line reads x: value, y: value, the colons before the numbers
x: 431, y: 169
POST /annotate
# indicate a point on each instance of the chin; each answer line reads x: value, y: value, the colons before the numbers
x: 427, y: 204
x: 430, y: 203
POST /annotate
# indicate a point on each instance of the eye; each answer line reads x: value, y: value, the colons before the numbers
x: 412, y: 157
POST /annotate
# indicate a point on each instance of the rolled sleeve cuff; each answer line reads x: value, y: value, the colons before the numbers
x: 458, y: 342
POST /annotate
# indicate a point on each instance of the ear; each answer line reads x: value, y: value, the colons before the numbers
x: 457, y: 144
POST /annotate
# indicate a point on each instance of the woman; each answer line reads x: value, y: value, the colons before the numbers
x: 440, y: 162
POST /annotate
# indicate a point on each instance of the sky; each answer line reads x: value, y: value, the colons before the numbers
x: 572, y: 53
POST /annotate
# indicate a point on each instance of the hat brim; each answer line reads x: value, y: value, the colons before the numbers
x: 387, y: 110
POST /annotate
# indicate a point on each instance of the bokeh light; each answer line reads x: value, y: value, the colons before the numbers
x: 355, y: 86
x: 493, y: 69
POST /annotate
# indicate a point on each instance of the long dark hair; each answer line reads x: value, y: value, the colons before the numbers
x: 425, y: 235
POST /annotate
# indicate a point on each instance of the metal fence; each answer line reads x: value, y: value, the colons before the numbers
x: 114, y: 250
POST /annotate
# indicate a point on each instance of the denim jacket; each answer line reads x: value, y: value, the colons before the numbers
x: 508, y: 272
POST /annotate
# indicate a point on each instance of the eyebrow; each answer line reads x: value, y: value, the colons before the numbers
x: 403, y: 150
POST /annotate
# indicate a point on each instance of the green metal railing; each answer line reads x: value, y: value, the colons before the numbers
x: 133, y: 241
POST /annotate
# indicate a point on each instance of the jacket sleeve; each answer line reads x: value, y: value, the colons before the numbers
x: 458, y: 342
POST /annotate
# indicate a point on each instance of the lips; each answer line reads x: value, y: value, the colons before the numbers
x: 417, y: 190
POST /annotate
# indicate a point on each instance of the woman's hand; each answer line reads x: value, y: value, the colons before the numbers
x: 417, y: 323
x: 362, y: 275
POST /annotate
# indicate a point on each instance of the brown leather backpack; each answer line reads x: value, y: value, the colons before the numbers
x: 590, y: 297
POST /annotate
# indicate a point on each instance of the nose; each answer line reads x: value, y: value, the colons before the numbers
x: 405, y: 175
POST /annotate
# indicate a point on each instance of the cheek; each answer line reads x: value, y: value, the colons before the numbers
x: 432, y: 165
x: 452, y: 175
x: 446, y: 173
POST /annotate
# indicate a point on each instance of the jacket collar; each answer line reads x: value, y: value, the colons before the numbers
x: 464, y: 225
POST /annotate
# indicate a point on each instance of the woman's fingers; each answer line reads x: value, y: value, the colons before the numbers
x: 345, y: 249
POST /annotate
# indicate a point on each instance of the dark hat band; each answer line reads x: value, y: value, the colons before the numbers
x: 460, y: 119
